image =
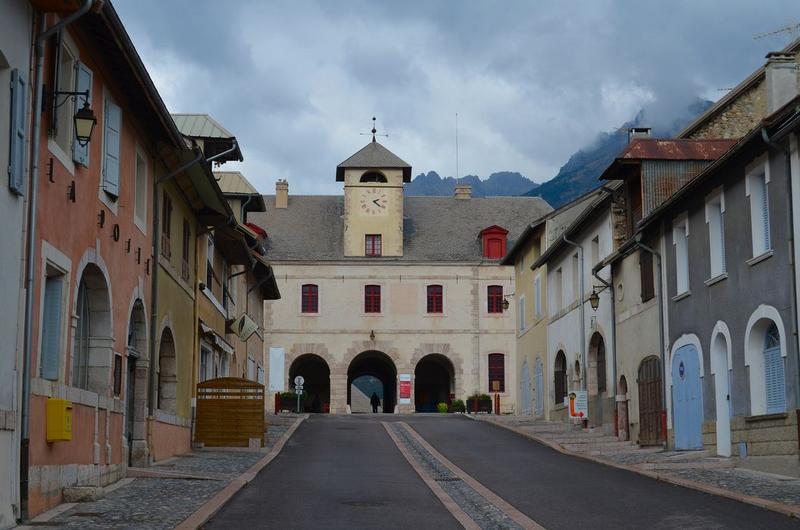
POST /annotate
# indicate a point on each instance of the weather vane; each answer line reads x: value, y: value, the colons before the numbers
x: 374, y: 131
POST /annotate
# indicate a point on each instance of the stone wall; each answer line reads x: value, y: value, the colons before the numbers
x: 769, y: 435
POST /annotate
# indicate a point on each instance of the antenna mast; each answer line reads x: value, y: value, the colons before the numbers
x: 457, y: 177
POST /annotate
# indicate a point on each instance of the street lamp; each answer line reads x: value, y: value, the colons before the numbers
x: 594, y: 299
x: 84, y: 124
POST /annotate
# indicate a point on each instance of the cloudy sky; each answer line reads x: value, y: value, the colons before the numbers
x: 532, y: 81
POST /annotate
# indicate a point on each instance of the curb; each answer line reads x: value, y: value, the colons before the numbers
x: 213, y: 505
x: 785, y: 509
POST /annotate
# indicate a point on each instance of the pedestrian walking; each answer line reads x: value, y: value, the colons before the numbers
x: 374, y: 401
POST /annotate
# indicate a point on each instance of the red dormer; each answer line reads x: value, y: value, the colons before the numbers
x: 494, y: 242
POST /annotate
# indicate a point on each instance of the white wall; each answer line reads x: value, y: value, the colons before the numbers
x: 563, y: 331
x: 15, y: 36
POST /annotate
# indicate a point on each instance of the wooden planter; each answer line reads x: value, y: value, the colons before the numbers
x: 479, y: 405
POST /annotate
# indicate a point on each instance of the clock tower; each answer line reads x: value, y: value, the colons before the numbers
x: 373, y: 201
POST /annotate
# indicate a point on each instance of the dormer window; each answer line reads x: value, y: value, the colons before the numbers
x: 494, y: 242
x: 373, y: 176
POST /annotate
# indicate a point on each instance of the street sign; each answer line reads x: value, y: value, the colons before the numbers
x: 578, y: 404
x: 298, y: 381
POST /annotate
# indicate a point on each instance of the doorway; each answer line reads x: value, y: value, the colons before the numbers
x: 381, y: 369
x: 722, y: 393
x: 650, y: 403
x: 434, y: 382
x: 623, y: 431
x: 687, y: 398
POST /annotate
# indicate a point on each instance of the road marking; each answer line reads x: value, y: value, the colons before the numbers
x: 520, y: 518
x: 451, y: 506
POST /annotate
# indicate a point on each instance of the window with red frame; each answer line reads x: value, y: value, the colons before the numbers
x: 372, y: 244
x: 497, y: 371
x: 435, y: 304
x: 495, y: 298
x: 310, y: 298
x: 372, y: 298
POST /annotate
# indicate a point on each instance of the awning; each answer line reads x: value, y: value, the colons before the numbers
x: 216, y: 339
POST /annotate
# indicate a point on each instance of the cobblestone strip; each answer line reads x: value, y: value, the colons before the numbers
x: 481, y: 509
x: 521, y: 520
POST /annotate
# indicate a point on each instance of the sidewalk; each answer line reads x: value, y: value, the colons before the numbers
x: 698, y: 470
x: 168, y: 493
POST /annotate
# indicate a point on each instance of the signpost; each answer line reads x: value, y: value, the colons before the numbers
x: 298, y: 388
x: 578, y: 404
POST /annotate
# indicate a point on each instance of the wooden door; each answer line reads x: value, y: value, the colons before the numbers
x: 650, y: 406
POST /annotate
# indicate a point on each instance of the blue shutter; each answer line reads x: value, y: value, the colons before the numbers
x: 765, y: 212
x: 19, y: 122
x: 51, y: 328
x: 776, y: 386
x: 83, y: 82
x: 112, y: 118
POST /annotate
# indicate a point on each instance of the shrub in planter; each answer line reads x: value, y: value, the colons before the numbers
x: 457, y: 406
x: 479, y: 403
x: 441, y: 408
x: 289, y: 401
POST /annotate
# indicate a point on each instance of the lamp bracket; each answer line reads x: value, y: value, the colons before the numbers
x: 69, y: 95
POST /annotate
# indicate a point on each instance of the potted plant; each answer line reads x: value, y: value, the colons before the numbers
x: 441, y: 408
x: 289, y: 401
x: 480, y: 403
x: 457, y: 406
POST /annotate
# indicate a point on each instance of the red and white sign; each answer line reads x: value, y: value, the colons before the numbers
x: 578, y: 404
x: 405, y: 389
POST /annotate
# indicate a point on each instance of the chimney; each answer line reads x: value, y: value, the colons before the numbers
x: 781, y: 80
x: 281, y: 194
x: 463, y: 191
x: 638, y: 132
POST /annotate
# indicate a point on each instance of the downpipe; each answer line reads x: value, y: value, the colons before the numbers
x: 30, y: 254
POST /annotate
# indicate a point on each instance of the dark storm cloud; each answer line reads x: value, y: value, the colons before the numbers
x: 531, y: 81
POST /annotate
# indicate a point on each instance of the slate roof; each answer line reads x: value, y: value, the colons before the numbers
x: 200, y: 126
x: 374, y: 156
x: 441, y: 229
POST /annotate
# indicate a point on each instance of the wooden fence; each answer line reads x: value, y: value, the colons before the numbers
x: 230, y: 412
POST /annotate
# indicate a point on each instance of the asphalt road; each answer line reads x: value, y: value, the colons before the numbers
x: 345, y: 472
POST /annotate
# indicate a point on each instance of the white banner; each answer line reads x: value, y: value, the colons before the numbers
x: 276, y: 361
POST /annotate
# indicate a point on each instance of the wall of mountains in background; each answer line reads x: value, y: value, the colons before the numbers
x: 579, y: 175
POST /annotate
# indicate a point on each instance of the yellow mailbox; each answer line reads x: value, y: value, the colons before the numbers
x: 59, y: 420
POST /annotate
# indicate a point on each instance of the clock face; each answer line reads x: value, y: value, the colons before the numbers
x: 373, y: 202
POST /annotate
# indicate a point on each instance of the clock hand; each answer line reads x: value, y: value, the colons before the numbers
x: 375, y: 201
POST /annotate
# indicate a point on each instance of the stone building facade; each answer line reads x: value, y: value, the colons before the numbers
x: 408, y: 291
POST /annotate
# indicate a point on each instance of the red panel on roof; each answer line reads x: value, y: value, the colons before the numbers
x: 655, y: 149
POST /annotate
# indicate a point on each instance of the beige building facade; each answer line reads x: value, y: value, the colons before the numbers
x: 400, y: 296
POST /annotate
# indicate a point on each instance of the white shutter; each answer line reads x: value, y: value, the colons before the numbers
x: 50, y: 355
x: 537, y: 288
x: 776, y: 386
x: 522, y: 313
x: 722, y: 240
x: 83, y: 82
x: 765, y: 212
x: 19, y: 121
x: 112, y: 118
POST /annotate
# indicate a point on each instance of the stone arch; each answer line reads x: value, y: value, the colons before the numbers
x: 378, y: 365
x: 167, y: 372
x: 317, y: 385
x: 444, y: 349
x: 560, y: 377
x: 576, y: 375
x: 373, y: 175
x: 136, y: 380
x: 434, y: 382
x: 93, y: 338
x: 596, y: 373
x: 754, y: 340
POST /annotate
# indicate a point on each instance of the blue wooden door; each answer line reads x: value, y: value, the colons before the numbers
x: 539, y: 386
x: 687, y: 399
x: 525, y: 388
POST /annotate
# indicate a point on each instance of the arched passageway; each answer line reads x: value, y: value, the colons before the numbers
x: 93, y: 353
x: 434, y: 382
x: 136, y: 378
x: 364, y: 370
x: 167, y: 373
x: 596, y: 378
x: 623, y: 430
x: 317, y: 382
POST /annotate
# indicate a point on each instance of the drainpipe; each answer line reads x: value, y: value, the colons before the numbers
x: 610, y: 287
x: 30, y: 257
x: 661, y: 334
x: 790, y: 212
x: 582, y: 311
